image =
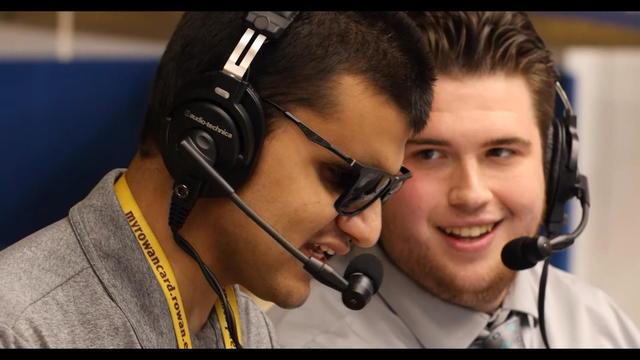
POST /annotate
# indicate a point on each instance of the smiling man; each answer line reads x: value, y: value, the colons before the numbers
x: 478, y: 182
x: 311, y: 140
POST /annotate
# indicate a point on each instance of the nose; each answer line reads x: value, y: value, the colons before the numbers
x: 363, y: 228
x: 468, y: 191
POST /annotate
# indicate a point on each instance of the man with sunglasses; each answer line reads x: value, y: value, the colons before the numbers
x: 341, y: 94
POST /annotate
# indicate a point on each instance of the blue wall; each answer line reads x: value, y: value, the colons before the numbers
x: 64, y: 125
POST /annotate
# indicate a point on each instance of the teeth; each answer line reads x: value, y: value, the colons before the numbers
x: 471, y: 231
x: 327, y: 250
x: 324, y: 249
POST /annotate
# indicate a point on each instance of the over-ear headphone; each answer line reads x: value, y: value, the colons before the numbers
x: 563, y: 180
x: 221, y: 115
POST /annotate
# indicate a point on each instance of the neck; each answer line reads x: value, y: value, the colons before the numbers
x: 151, y: 185
x: 491, y: 306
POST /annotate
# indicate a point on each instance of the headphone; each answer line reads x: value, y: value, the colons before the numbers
x: 220, y: 114
x: 563, y: 182
x: 563, y: 179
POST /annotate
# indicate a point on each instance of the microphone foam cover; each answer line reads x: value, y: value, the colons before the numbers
x: 366, y: 264
x: 514, y: 254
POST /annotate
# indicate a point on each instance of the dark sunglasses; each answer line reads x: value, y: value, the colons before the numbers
x: 366, y: 186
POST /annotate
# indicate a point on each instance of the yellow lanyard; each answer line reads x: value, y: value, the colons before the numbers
x: 164, y: 274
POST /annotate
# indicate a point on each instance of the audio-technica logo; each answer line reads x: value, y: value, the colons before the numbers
x: 204, y: 122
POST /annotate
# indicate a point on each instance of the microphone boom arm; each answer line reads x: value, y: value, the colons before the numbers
x: 214, y: 175
x: 563, y: 242
x: 320, y: 271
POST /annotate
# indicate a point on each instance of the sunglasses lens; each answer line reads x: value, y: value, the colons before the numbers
x: 367, y: 188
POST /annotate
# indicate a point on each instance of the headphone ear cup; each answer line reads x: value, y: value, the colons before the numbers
x: 234, y: 127
x: 552, y: 169
x: 252, y: 125
x: 223, y: 148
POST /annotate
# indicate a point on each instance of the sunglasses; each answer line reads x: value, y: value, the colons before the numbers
x: 364, y: 185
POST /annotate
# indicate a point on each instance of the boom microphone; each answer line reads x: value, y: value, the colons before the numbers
x: 364, y: 274
x: 524, y: 252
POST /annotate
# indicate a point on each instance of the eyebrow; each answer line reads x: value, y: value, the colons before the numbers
x: 509, y: 141
x: 495, y: 142
x: 428, y: 141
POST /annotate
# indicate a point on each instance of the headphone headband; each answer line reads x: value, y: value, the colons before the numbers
x: 262, y: 25
x: 273, y: 23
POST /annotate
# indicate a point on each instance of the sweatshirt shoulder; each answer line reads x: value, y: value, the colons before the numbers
x: 36, y: 265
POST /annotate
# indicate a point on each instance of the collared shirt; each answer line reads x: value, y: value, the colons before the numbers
x: 83, y: 282
x: 403, y: 315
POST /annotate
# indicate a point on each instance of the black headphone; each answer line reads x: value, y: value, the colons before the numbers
x: 221, y: 115
x: 563, y: 180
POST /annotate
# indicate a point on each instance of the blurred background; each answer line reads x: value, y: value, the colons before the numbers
x: 74, y: 85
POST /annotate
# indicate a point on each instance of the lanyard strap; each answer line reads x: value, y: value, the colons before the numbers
x: 222, y: 320
x: 164, y: 273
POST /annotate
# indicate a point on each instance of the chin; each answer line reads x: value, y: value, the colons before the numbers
x: 292, y: 299
x: 476, y: 290
x: 291, y: 292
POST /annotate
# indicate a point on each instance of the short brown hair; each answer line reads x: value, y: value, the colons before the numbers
x: 479, y: 43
